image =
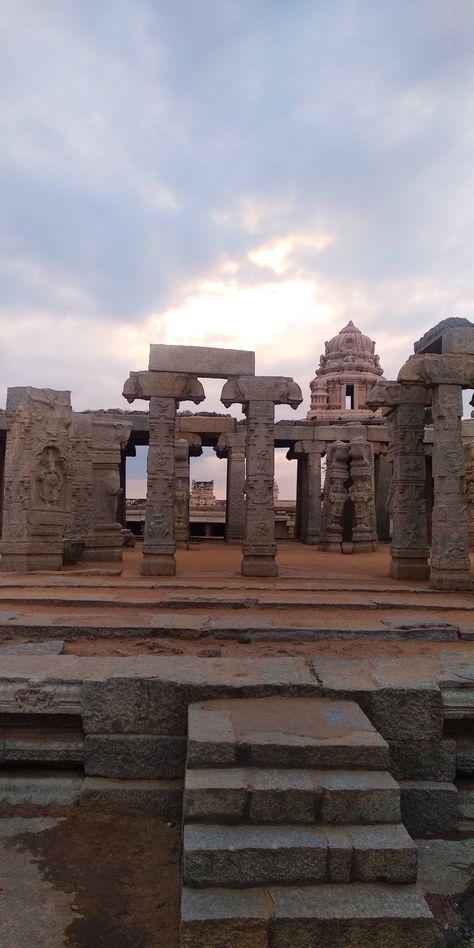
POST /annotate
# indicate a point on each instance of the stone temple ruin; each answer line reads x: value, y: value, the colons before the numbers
x: 301, y: 779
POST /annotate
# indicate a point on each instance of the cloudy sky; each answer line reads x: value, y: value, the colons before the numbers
x: 247, y: 173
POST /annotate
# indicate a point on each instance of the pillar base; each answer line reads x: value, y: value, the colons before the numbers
x: 330, y: 546
x: 450, y: 579
x: 259, y: 566
x: 158, y: 564
x: 409, y: 569
x: 30, y: 563
x: 364, y: 546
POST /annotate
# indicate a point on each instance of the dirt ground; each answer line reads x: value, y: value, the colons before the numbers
x: 123, y: 873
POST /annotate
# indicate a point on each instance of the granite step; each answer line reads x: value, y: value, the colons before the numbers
x: 283, y: 732
x: 333, y: 916
x: 248, y: 856
x: 20, y: 786
x: 238, y: 795
x: 57, y: 747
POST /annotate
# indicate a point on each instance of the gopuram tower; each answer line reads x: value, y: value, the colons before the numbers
x: 347, y: 372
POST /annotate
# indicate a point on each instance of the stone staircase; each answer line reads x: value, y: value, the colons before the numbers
x: 292, y: 831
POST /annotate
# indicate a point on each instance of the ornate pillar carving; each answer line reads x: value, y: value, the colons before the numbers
x: 469, y: 489
x: 335, y: 496
x: 450, y: 564
x: 232, y: 446
x: 164, y: 391
x: 185, y: 446
x: 37, y: 491
x: 258, y: 397
x: 362, y: 494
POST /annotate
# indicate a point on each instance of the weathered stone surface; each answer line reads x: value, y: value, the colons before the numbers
x: 154, y: 697
x: 335, y: 496
x: 281, y: 732
x: 39, y: 789
x: 262, y: 796
x: 232, y: 446
x: 134, y: 756
x: 434, y: 370
x: 429, y: 807
x: 280, y: 390
x: 180, y: 386
x: 51, y: 647
x: 407, y: 713
x: 269, y: 855
x: 224, y: 918
x: 423, y: 760
x: 359, y: 797
x: 33, y: 745
x: 466, y: 802
x: 37, y: 496
x: 253, y: 855
x: 342, y: 916
x: 459, y: 339
x: 206, y: 362
x: 432, y: 340
x: 445, y: 865
x: 362, y: 495
x: 465, y: 755
x: 160, y: 798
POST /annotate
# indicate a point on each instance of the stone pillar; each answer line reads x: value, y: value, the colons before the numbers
x: 301, y: 478
x: 81, y: 520
x: 122, y: 501
x: 469, y: 488
x: 233, y: 446
x: 335, y: 496
x: 258, y: 396
x: 383, y: 477
x: 37, y: 495
x: 109, y: 438
x: 362, y: 494
x: 184, y: 447
x: 311, y: 501
x: 164, y: 391
x: 450, y: 565
x: 2, y: 473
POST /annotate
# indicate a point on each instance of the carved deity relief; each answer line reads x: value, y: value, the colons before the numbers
x: 50, y: 477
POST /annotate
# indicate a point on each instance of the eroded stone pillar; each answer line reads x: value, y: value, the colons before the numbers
x: 362, y: 494
x: 310, y: 527
x: 164, y: 391
x: 258, y: 397
x: 450, y: 564
x: 335, y: 496
x: 383, y: 478
x: 109, y: 438
x: 469, y: 488
x: 37, y: 496
x: 232, y: 446
x: 184, y: 447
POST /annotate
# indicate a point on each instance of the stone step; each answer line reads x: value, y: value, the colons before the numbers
x: 283, y: 732
x: 247, y: 856
x: 21, y: 786
x: 237, y: 795
x: 25, y: 745
x: 326, y: 916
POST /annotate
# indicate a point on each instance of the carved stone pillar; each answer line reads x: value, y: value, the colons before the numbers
x: 450, y: 565
x: 383, y: 477
x: 37, y: 496
x: 258, y: 396
x: 362, y: 494
x: 335, y: 496
x: 82, y: 504
x: 109, y: 438
x: 164, y: 391
x: 409, y: 547
x: 232, y: 446
x: 310, y: 451
x: 185, y: 446
x: 469, y: 489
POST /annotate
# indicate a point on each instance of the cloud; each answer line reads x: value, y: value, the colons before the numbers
x: 229, y: 173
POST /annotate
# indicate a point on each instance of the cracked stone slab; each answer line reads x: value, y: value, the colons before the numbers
x: 51, y: 647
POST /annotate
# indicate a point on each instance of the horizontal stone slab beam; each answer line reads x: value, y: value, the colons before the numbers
x: 146, y: 385
x: 390, y: 394
x: 206, y: 362
x: 278, y: 389
x: 434, y: 369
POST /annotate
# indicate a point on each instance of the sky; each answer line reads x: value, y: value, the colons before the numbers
x: 230, y: 173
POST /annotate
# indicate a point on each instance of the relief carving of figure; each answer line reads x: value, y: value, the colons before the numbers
x: 50, y: 476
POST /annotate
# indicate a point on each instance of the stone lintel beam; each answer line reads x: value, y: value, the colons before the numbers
x: 194, y: 442
x: 177, y: 385
x: 229, y: 443
x: 309, y: 447
x: 203, y: 361
x: 260, y: 388
x: 433, y: 369
x: 459, y: 339
x: 387, y: 394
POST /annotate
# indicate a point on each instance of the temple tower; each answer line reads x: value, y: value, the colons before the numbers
x: 347, y: 372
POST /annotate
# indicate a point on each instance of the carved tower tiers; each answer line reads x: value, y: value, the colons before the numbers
x: 347, y: 372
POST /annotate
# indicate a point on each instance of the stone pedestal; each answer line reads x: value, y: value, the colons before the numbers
x: 164, y: 391
x: 362, y: 494
x: 450, y: 565
x: 309, y: 488
x: 232, y: 446
x: 37, y: 495
x: 335, y: 496
x: 258, y: 397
